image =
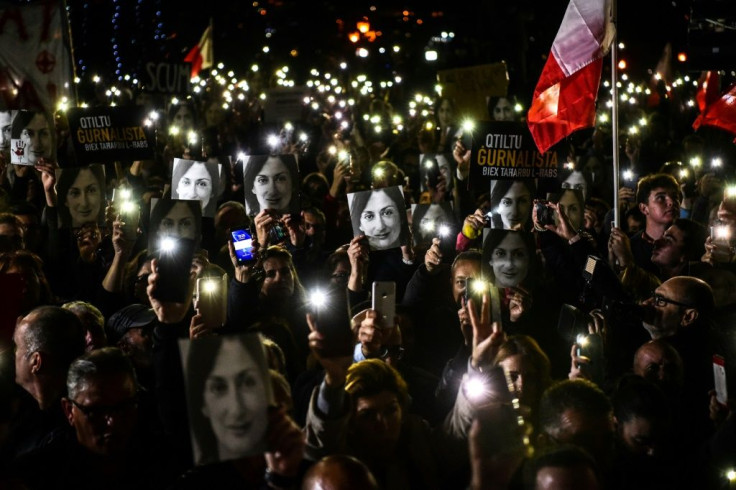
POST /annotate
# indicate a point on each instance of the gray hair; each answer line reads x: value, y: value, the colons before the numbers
x: 80, y: 308
x: 105, y: 361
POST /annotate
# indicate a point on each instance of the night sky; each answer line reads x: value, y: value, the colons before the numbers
x: 519, y: 32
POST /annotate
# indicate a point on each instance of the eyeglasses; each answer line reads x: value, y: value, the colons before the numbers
x: 393, y: 351
x: 662, y: 301
x: 98, y: 414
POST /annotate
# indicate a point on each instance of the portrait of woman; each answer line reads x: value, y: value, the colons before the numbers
x: 426, y: 220
x: 172, y: 217
x: 34, y: 132
x: 81, y: 195
x: 271, y: 182
x: 511, y: 204
x: 380, y: 215
x: 197, y: 181
x: 183, y: 115
x: 228, y: 393
x: 572, y: 203
x: 511, y: 256
x: 575, y: 179
x: 502, y: 108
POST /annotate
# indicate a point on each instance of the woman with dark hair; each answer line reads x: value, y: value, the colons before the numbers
x: 511, y: 256
x: 175, y: 217
x: 445, y: 114
x: 81, y: 192
x: 380, y: 215
x: 228, y: 389
x: 36, y: 130
x: 527, y: 367
x: 511, y: 204
x: 502, y: 108
x: 182, y: 115
x: 271, y: 182
x: 196, y: 181
x: 427, y: 219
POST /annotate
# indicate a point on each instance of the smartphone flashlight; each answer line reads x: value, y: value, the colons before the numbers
x: 582, y: 341
x: 716, y: 163
x: 731, y: 192
x: 476, y: 388
x: 273, y: 141
x: 167, y: 245
x: 318, y: 299
x: 429, y: 164
x: 378, y: 172
x: 343, y: 155
x: 303, y: 137
x: 241, y: 156
x: 124, y: 193
x: 443, y: 231
x: 210, y: 286
x: 332, y: 150
x: 153, y: 116
x: 721, y: 232
x: 731, y: 475
x: 128, y: 207
x: 468, y: 125
x: 192, y: 137
x: 696, y: 162
x: 174, y: 130
x: 628, y: 175
x: 428, y: 227
x: 683, y: 173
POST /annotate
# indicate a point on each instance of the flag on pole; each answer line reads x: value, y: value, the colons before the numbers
x: 201, y: 55
x: 565, y: 95
x: 715, y: 109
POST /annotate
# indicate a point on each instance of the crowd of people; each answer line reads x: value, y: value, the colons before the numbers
x: 535, y: 343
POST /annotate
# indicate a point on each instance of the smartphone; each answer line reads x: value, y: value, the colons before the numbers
x: 121, y: 195
x: 591, y: 346
x: 384, y: 302
x: 243, y: 245
x: 174, y: 266
x: 332, y: 315
x: 212, y: 300
x: 431, y: 172
x: 130, y: 214
x: 277, y: 233
x: 719, y: 376
x: 475, y: 289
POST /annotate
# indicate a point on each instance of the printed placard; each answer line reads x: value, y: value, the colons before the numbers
x: 380, y: 215
x: 108, y: 134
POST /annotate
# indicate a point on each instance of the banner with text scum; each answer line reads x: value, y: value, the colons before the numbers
x: 505, y: 150
x: 108, y: 134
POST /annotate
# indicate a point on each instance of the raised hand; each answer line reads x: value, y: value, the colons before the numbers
x: 487, y: 336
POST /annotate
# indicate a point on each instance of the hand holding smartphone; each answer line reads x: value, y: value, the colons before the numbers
x: 384, y: 303
x: 174, y: 268
x: 212, y: 301
x: 245, y: 250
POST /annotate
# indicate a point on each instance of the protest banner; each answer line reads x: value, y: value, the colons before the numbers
x: 35, y: 60
x: 163, y: 77
x: 284, y: 104
x: 505, y: 150
x: 108, y: 134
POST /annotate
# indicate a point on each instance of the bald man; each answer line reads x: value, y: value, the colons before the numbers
x: 339, y: 472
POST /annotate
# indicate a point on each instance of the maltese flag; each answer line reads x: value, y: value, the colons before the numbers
x: 564, y: 99
x: 201, y: 56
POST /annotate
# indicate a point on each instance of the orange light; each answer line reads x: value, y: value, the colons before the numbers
x: 263, y: 12
x: 622, y: 65
x: 682, y: 57
x: 354, y: 37
x: 420, y: 21
x: 294, y: 53
x: 371, y: 36
x: 405, y: 13
x: 364, y: 27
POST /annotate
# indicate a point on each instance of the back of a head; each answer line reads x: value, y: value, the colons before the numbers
x: 373, y: 376
x: 56, y: 332
x: 579, y: 395
x: 339, y: 472
x: 562, y: 468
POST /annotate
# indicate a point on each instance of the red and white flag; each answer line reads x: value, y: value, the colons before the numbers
x: 201, y: 55
x: 35, y: 60
x: 565, y: 95
x: 715, y: 109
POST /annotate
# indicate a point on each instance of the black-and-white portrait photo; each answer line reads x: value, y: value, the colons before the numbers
x: 510, y: 256
x: 511, y: 204
x: 271, y: 182
x: 197, y: 181
x: 175, y: 218
x: 81, y: 195
x: 31, y: 138
x: 228, y: 389
x: 431, y: 166
x: 380, y: 215
x: 432, y: 220
x: 6, y: 128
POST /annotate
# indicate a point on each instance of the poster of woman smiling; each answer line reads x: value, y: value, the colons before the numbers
x: 380, y: 215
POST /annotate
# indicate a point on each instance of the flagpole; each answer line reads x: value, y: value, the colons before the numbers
x: 614, y: 116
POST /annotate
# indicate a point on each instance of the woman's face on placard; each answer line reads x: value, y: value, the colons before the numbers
x: 37, y: 137
x: 445, y: 113
x: 235, y: 401
x: 576, y: 180
x: 510, y: 261
x: 503, y: 110
x: 432, y: 219
x: 184, y: 117
x: 84, y: 198
x: 273, y: 186
x: 179, y: 222
x: 515, y: 206
x: 570, y: 204
x: 380, y: 221
x: 196, y: 184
